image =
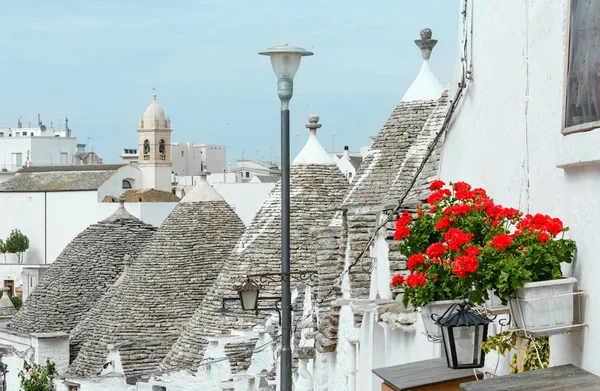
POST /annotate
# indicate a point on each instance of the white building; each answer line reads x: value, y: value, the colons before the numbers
x: 348, y: 162
x: 52, y: 204
x: 246, y: 170
x: 530, y: 120
x: 188, y: 158
x: 38, y: 146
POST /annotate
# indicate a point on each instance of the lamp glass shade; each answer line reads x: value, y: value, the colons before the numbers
x: 249, y: 299
x: 285, y: 65
x: 285, y: 60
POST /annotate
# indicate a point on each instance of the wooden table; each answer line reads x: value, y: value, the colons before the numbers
x: 564, y: 377
x: 428, y: 375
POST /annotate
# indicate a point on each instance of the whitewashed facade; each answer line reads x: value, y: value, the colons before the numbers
x: 512, y: 123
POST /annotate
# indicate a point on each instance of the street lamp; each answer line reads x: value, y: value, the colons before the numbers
x: 248, y: 293
x: 463, y: 331
x: 285, y: 60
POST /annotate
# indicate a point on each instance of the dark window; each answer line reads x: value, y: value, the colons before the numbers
x: 146, y: 147
x: 126, y: 184
x: 181, y: 153
x: 247, y: 174
x: 24, y: 133
x: 161, y: 147
x: 583, y: 77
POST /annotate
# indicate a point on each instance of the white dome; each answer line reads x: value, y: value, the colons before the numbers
x: 154, y: 116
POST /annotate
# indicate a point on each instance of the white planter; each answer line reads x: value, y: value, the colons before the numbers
x: 437, y: 308
x: 544, y: 307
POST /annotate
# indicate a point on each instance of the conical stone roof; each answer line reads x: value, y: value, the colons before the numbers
x: 145, y: 313
x: 317, y: 186
x: 82, y: 274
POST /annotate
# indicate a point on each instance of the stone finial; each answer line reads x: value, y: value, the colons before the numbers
x: 426, y: 44
x: 313, y: 123
x: 203, y: 175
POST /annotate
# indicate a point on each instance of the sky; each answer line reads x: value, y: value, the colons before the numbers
x: 97, y: 63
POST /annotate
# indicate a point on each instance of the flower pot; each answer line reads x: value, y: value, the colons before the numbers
x: 436, y: 308
x: 544, y: 307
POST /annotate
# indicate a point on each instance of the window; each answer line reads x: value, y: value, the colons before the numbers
x: 17, y: 159
x: 582, y: 111
x: 1, y: 134
x: 126, y: 184
x: 161, y: 147
x: 10, y: 284
x: 24, y: 133
x: 181, y: 153
x: 247, y: 174
x: 146, y: 147
x: 18, y: 134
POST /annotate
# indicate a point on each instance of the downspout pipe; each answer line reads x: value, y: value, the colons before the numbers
x: 354, y: 341
x: 305, y: 373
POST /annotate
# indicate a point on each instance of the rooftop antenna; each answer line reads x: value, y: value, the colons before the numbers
x: 88, y: 140
x: 333, y: 143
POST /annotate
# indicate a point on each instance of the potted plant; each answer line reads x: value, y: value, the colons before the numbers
x: 465, y: 246
x: 523, y: 267
x: 442, y: 246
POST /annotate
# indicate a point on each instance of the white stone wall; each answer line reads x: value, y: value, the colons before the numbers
x: 42, y: 150
x: 507, y: 138
x: 51, y: 220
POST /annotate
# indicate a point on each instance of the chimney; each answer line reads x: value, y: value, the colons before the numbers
x: 346, y: 153
x: 39, y: 120
x: 224, y: 175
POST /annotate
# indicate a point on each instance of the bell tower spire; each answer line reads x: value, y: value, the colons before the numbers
x: 154, y: 147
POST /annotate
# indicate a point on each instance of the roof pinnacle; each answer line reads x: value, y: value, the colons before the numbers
x: 426, y: 44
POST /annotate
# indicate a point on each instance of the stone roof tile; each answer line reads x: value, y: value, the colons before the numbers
x: 145, y: 313
x: 81, y: 274
x: 316, y: 189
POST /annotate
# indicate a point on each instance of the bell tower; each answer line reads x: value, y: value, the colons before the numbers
x: 154, y: 148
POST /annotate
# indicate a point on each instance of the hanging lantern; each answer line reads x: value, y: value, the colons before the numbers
x: 463, y: 332
x: 248, y: 292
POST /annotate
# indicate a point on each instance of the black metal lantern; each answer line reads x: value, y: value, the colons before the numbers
x: 248, y: 292
x: 463, y: 331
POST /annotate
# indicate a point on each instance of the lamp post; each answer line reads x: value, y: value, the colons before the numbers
x: 285, y: 60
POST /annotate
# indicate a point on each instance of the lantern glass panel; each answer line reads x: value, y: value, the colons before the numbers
x: 249, y: 299
x: 467, y: 342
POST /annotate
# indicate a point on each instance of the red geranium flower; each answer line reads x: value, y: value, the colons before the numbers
x: 438, y: 196
x: 436, y: 250
x: 543, y: 237
x: 436, y: 185
x: 472, y: 251
x: 554, y: 226
x: 502, y: 241
x: 455, y: 238
x: 433, y: 209
x: 463, y: 195
x: 397, y: 280
x: 463, y: 265
x: 461, y: 186
x: 401, y: 233
x: 443, y: 223
x: 416, y: 279
x: 404, y: 219
x: 415, y: 259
